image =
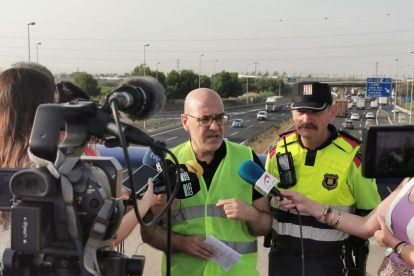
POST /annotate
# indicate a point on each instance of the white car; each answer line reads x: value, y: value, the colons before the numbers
x: 355, y: 116
x: 262, y: 115
x: 370, y: 115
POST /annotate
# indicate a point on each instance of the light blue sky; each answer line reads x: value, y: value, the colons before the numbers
x: 291, y: 36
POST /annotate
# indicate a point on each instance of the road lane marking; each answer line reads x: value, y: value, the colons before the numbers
x: 249, y: 127
x: 233, y: 134
x: 247, y: 121
x: 283, y: 114
x: 171, y: 138
x: 360, y: 132
x: 272, y: 117
x: 262, y: 122
x: 166, y: 131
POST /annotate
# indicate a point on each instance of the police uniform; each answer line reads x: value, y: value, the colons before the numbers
x: 329, y: 174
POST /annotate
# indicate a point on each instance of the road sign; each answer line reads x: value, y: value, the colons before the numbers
x: 291, y: 79
x: 391, y: 107
x: 399, y: 94
x: 379, y: 87
x: 407, y: 99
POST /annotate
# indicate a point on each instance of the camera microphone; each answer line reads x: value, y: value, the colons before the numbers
x: 140, y: 98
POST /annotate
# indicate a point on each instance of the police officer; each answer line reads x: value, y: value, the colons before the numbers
x: 327, y: 168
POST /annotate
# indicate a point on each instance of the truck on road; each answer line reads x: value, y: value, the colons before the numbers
x: 342, y: 107
x: 382, y: 100
x: 274, y: 103
x: 360, y: 103
x: 374, y: 104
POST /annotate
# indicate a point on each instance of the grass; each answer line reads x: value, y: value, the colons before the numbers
x: 262, y: 142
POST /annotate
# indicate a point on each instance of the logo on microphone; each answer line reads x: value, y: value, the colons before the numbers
x: 267, y: 180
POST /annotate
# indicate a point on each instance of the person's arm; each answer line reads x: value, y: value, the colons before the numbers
x: 129, y: 221
x: 156, y: 236
x: 257, y: 216
x: 385, y: 238
x: 363, y: 227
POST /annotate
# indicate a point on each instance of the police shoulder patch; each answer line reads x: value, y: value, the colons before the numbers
x: 348, y: 135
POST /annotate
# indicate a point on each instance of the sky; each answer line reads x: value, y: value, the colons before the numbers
x: 300, y: 37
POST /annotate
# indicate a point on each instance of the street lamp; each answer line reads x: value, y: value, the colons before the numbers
x: 215, y: 75
x: 199, y: 72
x: 37, y: 52
x: 396, y: 87
x: 28, y: 35
x: 144, y: 56
x: 412, y: 81
x: 157, y: 69
x: 406, y: 91
x: 247, y: 79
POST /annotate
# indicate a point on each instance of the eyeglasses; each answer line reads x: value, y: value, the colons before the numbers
x: 206, y: 121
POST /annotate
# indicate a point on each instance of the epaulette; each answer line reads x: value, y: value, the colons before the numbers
x: 349, y: 135
x: 272, y: 148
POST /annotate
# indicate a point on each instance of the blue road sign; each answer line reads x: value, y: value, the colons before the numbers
x: 379, y: 87
x: 291, y: 79
x: 407, y: 99
x: 399, y: 94
x: 391, y: 107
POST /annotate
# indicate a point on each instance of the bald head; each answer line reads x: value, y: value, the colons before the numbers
x: 199, y: 98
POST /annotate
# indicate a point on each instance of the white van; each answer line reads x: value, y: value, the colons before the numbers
x: 262, y: 115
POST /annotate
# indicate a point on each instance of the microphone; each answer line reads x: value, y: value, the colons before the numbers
x: 189, y: 182
x: 262, y: 181
x: 140, y: 98
x: 153, y: 160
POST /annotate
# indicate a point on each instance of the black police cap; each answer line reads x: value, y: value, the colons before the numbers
x: 311, y: 95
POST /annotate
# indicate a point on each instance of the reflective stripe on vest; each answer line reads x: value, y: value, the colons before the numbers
x: 309, y: 232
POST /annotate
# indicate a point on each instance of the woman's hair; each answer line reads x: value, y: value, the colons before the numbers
x: 68, y: 92
x: 22, y: 90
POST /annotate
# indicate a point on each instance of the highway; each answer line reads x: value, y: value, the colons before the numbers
x: 251, y: 126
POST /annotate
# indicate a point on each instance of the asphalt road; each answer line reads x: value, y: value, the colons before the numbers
x: 251, y: 126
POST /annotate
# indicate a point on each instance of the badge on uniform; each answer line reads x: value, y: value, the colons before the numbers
x: 330, y: 181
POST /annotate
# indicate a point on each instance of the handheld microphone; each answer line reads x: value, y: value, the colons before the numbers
x: 139, y: 98
x: 151, y: 159
x: 189, y: 182
x: 262, y: 181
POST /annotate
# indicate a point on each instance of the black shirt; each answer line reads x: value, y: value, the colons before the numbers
x: 210, y: 169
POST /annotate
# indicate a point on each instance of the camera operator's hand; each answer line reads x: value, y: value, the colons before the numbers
x: 160, y: 204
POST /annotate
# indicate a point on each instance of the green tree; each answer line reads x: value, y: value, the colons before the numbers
x: 205, y: 81
x: 228, y: 85
x: 161, y: 77
x: 172, y: 82
x: 139, y: 71
x: 88, y: 84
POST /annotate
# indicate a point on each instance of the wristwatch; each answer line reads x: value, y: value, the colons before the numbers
x: 390, y: 250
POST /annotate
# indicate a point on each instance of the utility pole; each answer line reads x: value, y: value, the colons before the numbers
x: 255, y: 72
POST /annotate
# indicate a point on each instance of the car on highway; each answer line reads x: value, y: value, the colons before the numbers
x: 348, y: 124
x: 262, y: 115
x: 370, y: 115
x: 237, y: 123
x: 369, y: 122
x: 396, y: 110
x: 355, y: 116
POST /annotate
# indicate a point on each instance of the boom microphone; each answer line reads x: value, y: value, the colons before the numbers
x: 140, y: 98
x: 262, y: 181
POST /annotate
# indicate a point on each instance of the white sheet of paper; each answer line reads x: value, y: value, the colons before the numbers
x: 225, y: 256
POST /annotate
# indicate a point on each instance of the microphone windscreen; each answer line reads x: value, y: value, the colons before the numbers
x: 155, y: 93
x: 150, y: 158
x: 194, y: 167
x: 250, y: 172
